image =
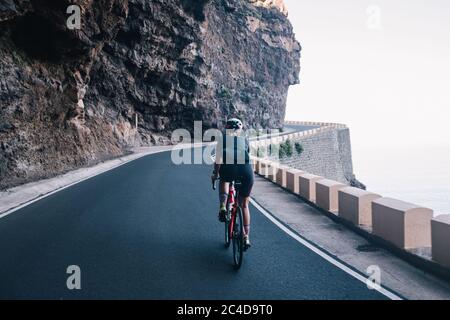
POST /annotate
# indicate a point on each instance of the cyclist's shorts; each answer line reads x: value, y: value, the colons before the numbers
x: 239, y: 172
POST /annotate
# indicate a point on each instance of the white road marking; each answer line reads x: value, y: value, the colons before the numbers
x: 323, y: 254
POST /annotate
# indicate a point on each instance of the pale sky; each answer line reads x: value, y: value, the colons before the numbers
x: 388, y: 79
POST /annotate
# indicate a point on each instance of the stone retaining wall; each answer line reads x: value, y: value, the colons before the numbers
x: 326, y: 151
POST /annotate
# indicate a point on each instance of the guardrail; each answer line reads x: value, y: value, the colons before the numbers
x: 405, y: 226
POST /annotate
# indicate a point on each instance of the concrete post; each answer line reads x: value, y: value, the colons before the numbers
x: 440, y: 239
x: 307, y: 186
x: 355, y: 205
x: 405, y: 225
x: 281, y: 176
x: 293, y: 180
x: 327, y: 194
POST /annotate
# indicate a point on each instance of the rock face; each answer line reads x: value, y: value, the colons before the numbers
x: 71, y: 98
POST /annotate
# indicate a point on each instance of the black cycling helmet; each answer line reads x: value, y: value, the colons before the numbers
x: 234, y: 124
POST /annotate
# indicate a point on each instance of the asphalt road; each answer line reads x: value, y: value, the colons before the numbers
x: 149, y: 230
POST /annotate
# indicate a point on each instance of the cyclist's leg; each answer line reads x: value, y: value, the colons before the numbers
x: 247, y: 179
x: 224, y: 188
x: 226, y: 176
x: 244, y: 203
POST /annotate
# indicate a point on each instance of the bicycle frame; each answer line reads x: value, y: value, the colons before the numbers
x: 233, y: 201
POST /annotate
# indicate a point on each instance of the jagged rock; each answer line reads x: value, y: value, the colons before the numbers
x: 70, y: 97
x: 10, y: 9
x: 278, y: 4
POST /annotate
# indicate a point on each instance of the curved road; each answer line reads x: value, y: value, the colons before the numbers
x: 149, y: 230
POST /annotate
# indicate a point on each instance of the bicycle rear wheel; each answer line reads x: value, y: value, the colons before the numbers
x: 227, y: 231
x: 238, y: 239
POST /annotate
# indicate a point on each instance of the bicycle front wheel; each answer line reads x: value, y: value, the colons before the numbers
x: 238, y: 239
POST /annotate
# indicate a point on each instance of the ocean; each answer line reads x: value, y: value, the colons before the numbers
x: 420, y: 175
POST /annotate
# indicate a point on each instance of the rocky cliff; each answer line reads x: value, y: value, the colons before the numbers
x: 71, y: 98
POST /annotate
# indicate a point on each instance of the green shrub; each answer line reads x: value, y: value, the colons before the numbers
x: 225, y: 93
x: 298, y: 148
x: 282, y: 153
x: 286, y: 149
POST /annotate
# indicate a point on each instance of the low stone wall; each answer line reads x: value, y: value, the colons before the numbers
x: 326, y: 151
x: 404, y: 226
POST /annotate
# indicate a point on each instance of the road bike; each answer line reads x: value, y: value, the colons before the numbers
x: 234, y: 224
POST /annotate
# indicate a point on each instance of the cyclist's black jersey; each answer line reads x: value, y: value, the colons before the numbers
x: 235, y: 150
x: 236, y: 163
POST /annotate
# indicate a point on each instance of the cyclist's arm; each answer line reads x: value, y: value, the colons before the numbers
x: 216, y: 170
x: 219, y: 159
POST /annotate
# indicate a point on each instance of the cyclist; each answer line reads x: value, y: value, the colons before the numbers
x: 233, y: 163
